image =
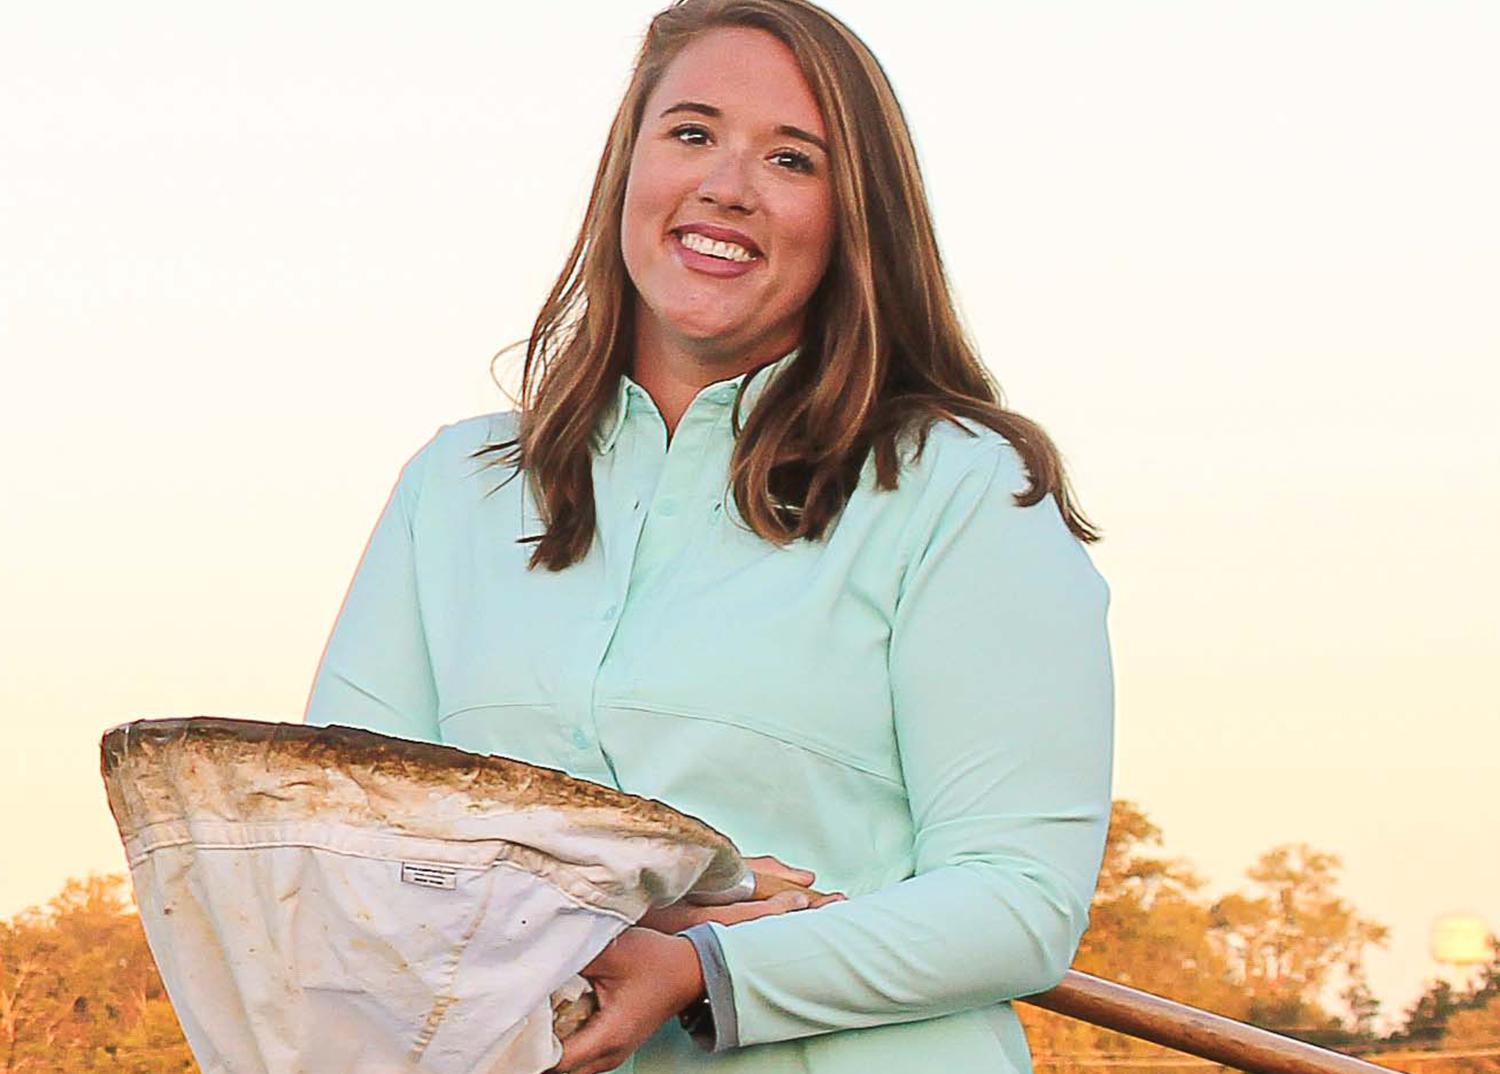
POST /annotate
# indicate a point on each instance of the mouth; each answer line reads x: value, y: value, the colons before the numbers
x: 718, y: 243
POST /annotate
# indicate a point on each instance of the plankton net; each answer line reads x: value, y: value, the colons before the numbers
x: 332, y: 900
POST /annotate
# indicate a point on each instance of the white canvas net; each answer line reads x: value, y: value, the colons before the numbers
x: 332, y: 900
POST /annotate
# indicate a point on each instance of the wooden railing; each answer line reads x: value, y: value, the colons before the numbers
x: 1191, y: 1030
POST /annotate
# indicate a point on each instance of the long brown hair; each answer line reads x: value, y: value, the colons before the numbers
x: 883, y: 351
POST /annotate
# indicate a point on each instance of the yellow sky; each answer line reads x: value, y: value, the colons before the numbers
x: 1241, y: 260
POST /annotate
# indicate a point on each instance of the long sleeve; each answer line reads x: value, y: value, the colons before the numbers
x: 376, y: 672
x: 1003, y: 706
x: 712, y: 1025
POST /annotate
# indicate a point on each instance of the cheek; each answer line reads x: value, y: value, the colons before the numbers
x: 826, y: 230
x: 631, y: 225
x: 812, y: 220
x: 642, y: 214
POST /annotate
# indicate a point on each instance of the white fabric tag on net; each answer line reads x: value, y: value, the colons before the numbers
x: 334, y: 900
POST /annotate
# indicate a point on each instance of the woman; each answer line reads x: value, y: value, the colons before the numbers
x: 778, y: 557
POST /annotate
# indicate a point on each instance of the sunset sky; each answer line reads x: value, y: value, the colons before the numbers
x: 1241, y: 260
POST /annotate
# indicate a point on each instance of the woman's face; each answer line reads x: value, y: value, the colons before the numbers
x: 728, y: 217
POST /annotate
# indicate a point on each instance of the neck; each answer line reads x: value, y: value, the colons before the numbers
x: 673, y: 370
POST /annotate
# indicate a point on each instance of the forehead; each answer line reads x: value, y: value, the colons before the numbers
x: 748, y: 74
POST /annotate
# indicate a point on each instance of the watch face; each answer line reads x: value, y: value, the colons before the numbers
x: 697, y: 1018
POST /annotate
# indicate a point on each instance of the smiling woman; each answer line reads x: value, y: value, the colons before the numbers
x: 727, y: 225
x: 762, y: 542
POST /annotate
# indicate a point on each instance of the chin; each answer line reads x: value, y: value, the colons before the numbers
x: 708, y: 335
x: 703, y: 328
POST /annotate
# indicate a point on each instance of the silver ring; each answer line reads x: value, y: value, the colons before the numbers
x: 742, y: 890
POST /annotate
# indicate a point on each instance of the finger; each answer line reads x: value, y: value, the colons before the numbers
x: 781, y: 903
x: 606, y: 1062
x: 773, y: 866
x: 592, y: 1043
x: 685, y: 917
x: 828, y: 900
x: 598, y: 1064
x: 672, y: 918
x: 602, y: 963
x: 785, y: 901
x: 768, y: 884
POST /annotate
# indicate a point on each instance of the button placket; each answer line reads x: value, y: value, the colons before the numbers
x: 658, y: 525
x: 669, y: 520
x: 592, y: 650
x: 593, y: 654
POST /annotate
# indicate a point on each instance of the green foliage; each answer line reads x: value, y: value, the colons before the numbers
x: 79, y: 991
x: 1286, y: 954
x: 1449, y: 1018
x: 1472, y: 1031
x: 1291, y: 940
x: 1148, y: 928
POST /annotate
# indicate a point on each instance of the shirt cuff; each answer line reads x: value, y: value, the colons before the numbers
x: 711, y: 1021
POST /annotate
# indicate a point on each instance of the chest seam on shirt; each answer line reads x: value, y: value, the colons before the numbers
x: 714, y: 717
x: 538, y: 703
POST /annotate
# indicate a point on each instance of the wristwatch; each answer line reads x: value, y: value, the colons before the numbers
x: 697, y: 1018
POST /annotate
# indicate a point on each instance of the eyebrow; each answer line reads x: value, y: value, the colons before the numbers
x: 699, y: 108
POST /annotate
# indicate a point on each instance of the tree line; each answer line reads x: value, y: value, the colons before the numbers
x: 1286, y: 953
x: 79, y: 992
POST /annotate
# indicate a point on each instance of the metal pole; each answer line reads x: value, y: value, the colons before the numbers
x: 1188, y: 1029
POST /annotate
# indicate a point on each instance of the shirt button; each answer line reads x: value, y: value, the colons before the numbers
x: 610, y: 613
x: 667, y: 508
x: 580, y: 740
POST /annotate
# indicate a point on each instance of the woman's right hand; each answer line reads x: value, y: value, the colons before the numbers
x: 681, y: 915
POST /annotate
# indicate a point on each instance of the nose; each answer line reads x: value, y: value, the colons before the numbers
x: 728, y: 183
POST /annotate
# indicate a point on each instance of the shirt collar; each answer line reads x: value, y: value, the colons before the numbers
x: 630, y: 394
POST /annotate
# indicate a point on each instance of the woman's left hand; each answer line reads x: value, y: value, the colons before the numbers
x: 640, y: 980
x: 683, y: 915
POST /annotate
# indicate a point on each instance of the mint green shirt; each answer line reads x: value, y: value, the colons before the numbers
x: 918, y: 707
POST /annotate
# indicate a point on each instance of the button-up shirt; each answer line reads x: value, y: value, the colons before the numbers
x: 918, y: 707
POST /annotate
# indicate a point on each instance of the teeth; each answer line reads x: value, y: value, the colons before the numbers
x: 702, y: 244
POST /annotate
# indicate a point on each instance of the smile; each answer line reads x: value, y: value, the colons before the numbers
x: 715, y: 251
x: 727, y: 251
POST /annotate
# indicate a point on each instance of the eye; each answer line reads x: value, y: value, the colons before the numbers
x: 690, y: 134
x: 794, y: 159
